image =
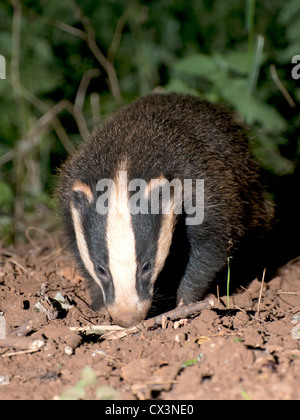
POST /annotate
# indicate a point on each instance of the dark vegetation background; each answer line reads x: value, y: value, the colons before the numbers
x: 70, y: 64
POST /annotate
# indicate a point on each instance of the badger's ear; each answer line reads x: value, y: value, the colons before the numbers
x: 81, y: 195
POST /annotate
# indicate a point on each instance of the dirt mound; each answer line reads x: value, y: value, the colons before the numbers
x: 221, y: 353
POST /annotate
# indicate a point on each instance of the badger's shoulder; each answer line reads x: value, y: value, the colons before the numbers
x: 167, y: 125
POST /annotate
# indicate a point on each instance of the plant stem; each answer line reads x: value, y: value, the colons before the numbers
x: 256, y: 63
x: 250, y: 15
x: 228, y: 282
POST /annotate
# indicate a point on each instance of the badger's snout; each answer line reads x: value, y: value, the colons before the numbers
x: 128, y: 315
x: 127, y: 319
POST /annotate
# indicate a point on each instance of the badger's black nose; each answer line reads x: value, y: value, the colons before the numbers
x: 127, y: 320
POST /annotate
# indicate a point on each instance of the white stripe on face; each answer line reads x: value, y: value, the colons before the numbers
x: 82, y: 246
x: 164, y: 241
x: 167, y: 226
x: 121, y: 247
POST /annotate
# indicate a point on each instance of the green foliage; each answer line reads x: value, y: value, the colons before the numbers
x: 226, y: 78
x: 192, y: 362
x: 52, y: 97
x: 88, y: 387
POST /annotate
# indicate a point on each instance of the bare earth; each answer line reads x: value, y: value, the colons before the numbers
x: 220, y: 353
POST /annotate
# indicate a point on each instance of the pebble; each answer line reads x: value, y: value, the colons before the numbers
x: 4, y: 380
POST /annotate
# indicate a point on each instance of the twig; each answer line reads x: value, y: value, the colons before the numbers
x: 293, y: 261
x: 181, y: 311
x: 19, y: 265
x: 15, y: 56
x: 55, y: 122
x: 88, y: 35
x: 108, y: 67
x: 95, y: 108
x: 21, y: 343
x: 17, y: 353
x: 177, y: 313
x: 18, y: 172
x: 71, y: 30
x: 52, y: 113
x: 7, y: 253
x: 96, y: 327
x: 280, y: 86
x: 281, y: 292
x: 80, y: 97
x: 260, y: 293
x: 295, y: 309
x: 7, y: 157
x: 47, y: 258
x: 84, y: 84
x: 62, y: 135
x: 117, y: 36
x: 246, y: 312
x: 31, y: 241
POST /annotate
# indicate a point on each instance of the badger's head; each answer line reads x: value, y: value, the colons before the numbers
x: 122, y: 250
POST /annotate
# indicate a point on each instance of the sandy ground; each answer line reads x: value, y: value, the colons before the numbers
x: 220, y: 353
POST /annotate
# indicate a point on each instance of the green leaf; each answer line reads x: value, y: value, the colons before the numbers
x: 89, y: 376
x: 107, y: 393
x: 245, y: 395
x: 238, y: 61
x: 179, y: 86
x: 266, y: 150
x: 197, y: 65
x: 288, y: 11
x: 192, y: 362
x: 251, y: 108
x: 293, y: 31
x: 73, y: 394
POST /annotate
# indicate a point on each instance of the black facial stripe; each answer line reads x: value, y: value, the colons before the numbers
x: 94, y: 226
x: 146, y: 230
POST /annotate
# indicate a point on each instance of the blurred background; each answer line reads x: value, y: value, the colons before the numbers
x: 70, y: 64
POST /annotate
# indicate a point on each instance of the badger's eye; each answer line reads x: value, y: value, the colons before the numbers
x: 101, y: 270
x: 146, y: 267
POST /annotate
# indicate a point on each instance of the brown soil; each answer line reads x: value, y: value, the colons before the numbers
x: 220, y: 353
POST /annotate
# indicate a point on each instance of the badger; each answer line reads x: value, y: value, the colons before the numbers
x: 162, y: 163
